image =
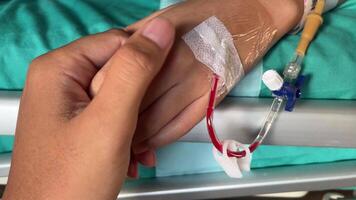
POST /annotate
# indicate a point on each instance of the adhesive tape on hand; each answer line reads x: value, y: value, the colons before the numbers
x: 213, y: 45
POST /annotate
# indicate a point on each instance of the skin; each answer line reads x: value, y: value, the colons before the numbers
x: 67, y: 137
x: 65, y: 140
x: 177, y: 98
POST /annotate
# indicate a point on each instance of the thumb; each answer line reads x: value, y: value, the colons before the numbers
x: 131, y: 69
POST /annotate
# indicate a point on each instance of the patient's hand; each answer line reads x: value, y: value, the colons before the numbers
x: 177, y: 98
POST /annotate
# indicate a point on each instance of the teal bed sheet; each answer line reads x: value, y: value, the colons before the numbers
x: 330, y: 62
x: 185, y: 158
x: 31, y: 28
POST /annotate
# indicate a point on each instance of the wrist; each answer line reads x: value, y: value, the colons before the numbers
x: 256, y: 25
x: 285, y: 14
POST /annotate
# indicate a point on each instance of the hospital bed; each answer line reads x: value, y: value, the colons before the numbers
x: 328, y: 123
x: 324, y: 123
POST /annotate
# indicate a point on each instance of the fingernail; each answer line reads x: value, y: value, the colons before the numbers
x: 140, y: 148
x: 160, y: 31
x: 133, y: 169
x: 147, y: 158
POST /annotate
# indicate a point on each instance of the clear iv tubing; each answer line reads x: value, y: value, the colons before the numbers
x: 276, y: 105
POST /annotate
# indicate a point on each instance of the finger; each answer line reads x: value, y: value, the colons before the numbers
x: 178, y: 127
x: 130, y: 71
x: 147, y: 158
x: 159, y: 89
x: 100, y: 76
x: 132, y: 171
x: 177, y: 69
x: 64, y: 74
x: 82, y: 58
x: 97, y: 48
x: 168, y: 106
x: 136, y: 26
x: 98, y: 81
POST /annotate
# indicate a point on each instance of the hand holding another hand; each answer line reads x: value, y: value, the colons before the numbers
x: 69, y: 145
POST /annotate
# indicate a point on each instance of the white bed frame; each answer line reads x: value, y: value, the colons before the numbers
x: 329, y: 123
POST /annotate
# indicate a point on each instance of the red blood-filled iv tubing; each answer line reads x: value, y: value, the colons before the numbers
x: 209, y: 119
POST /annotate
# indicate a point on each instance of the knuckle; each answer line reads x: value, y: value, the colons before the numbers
x: 35, y: 72
x: 117, y: 36
x: 116, y: 32
x: 36, y: 61
x: 40, y: 68
x: 37, y: 66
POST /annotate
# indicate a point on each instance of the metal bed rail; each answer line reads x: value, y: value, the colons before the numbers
x: 327, y: 123
x: 311, y: 177
x: 323, y: 123
x: 261, y: 181
x: 9, y: 105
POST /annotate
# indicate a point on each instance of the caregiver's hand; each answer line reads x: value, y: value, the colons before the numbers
x: 69, y: 146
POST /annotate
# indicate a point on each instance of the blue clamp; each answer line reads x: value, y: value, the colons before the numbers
x: 291, y: 92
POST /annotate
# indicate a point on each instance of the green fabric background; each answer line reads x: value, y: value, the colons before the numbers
x: 330, y: 63
x: 29, y: 28
x: 6, y: 143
